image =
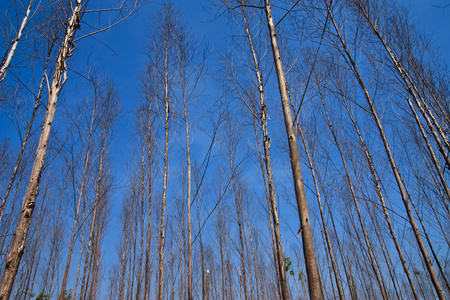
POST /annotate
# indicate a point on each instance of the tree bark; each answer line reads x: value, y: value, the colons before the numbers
x: 149, y: 209
x: 84, y: 179
x: 398, y: 178
x: 59, y: 77
x: 372, y: 259
x: 15, y: 42
x: 312, y: 270
x: 380, y: 195
x: 162, y: 232
x: 322, y: 216
x: 270, y: 181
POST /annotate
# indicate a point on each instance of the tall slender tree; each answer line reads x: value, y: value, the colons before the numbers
x: 59, y: 78
x: 312, y: 269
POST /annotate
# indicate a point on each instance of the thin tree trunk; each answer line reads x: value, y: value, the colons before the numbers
x: 222, y: 255
x: 15, y: 42
x: 124, y: 257
x: 312, y: 270
x: 398, y: 178
x: 380, y: 195
x: 59, y: 78
x: 349, y: 182
x: 132, y: 266
x: 142, y: 195
x: 322, y: 216
x: 266, y: 143
x: 166, y: 174
x: 202, y: 254
x: 189, y: 183
x: 207, y: 286
x: 149, y: 216
x: 94, y: 218
x: 37, y: 104
x: 96, y: 264
x: 248, y: 261
x: 229, y: 278
x: 83, y: 232
x: 80, y: 196
x: 237, y: 201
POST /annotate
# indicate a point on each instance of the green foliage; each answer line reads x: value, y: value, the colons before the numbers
x: 301, y: 276
x: 288, y: 268
x: 68, y: 294
x: 287, y: 264
x: 29, y: 293
x: 42, y: 296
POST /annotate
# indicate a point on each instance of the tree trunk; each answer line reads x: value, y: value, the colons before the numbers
x: 398, y: 178
x: 84, y: 179
x: 376, y: 182
x: 207, y: 286
x: 349, y: 182
x: 312, y: 270
x: 322, y: 216
x: 266, y: 144
x: 189, y: 182
x: 142, y: 196
x: 238, y: 204
x: 149, y: 212
x: 59, y: 78
x: 162, y: 233
x: 15, y: 42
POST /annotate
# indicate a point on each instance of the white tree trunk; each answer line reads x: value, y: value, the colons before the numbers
x: 15, y: 42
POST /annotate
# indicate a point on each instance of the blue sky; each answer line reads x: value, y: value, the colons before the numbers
x: 123, y: 58
x: 434, y: 21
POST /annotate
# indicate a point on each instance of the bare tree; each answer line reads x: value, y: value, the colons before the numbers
x: 80, y: 208
x: 190, y: 74
x: 162, y: 58
x: 398, y: 177
x: 322, y: 216
x: 59, y: 77
x: 5, y: 64
x: 267, y: 161
x: 314, y: 282
x: 108, y: 116
x: 149, y: 95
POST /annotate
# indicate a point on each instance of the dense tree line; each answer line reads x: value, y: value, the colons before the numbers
x: 306, y: 158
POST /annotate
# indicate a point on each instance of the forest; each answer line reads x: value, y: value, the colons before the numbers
x: 223, y: 149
